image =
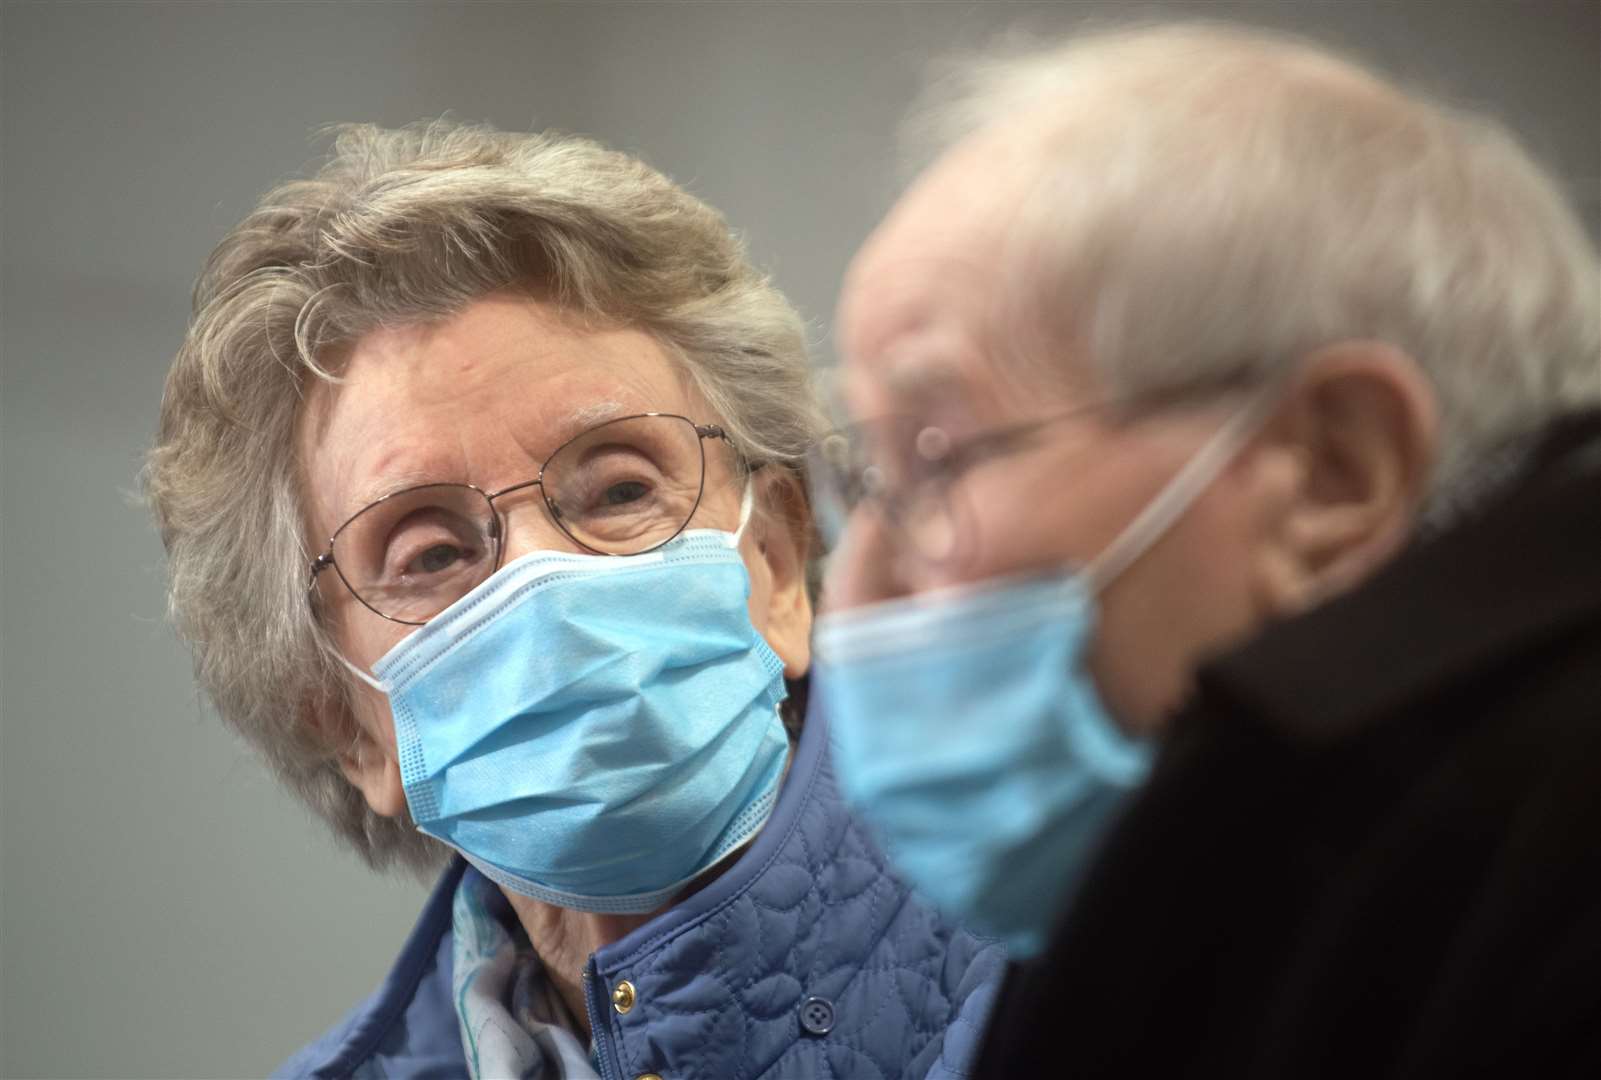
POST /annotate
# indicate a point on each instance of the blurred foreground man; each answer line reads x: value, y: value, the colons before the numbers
x: 1219, y: 616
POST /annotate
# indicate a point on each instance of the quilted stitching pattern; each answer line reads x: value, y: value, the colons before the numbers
x: 720, y: 998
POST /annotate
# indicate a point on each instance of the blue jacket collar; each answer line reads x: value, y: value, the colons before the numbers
x: 728, y: 980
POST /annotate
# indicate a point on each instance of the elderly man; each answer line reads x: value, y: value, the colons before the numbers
x: 1216, y: 395
x: 479, y: 476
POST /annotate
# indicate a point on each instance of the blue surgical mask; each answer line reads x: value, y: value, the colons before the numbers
x: 970, y: 736
x: 593, y: 731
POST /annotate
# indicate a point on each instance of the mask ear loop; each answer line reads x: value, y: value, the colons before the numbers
x: 364, y: 677
x: 747, y: 504
x: 1181, y: 492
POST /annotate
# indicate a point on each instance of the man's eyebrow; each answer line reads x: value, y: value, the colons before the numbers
x: 924, y: 381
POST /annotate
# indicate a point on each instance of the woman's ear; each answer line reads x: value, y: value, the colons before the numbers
x: 1360, y: 423
x: 781, y: 532
x: 369, y: 763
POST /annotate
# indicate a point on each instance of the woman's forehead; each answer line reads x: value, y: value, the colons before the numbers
x: 483, y: 397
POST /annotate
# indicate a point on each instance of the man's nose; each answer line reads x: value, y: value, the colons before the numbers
x: 869, y: 566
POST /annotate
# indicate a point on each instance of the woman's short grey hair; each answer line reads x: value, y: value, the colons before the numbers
x: 401, y: 227
x: 1212, y: 203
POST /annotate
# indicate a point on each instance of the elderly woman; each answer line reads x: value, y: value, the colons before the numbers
x: 478, y: 473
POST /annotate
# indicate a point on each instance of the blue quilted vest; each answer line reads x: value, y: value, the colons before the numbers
x: 805, y: 959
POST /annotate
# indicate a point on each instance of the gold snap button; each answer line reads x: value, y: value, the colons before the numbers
x: 647, y: 1076
x: 622, y: 999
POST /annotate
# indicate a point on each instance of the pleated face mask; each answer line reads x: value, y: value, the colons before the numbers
x: 970, y: 736
x: 593, y: 731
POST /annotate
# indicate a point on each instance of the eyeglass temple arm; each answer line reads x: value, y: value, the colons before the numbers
x: 713, y: 431
x: 318, y: 565
x: 997, y: 443
x: 964, y: 456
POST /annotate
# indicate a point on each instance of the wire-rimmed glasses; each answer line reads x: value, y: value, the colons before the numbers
x: 622, y: 487
x: 905, y: 469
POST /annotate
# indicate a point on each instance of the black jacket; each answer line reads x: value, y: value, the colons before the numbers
x: 1372, y: 845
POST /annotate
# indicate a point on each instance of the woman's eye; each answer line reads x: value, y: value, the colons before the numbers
x: 437, y: 558
x: 623, y: 493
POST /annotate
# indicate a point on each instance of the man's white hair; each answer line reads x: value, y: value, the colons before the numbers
x: 1212, y: 203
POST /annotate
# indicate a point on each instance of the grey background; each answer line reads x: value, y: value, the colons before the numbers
x: 164, y: 910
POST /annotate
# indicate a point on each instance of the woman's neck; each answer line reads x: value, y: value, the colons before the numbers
x: 564, y: 940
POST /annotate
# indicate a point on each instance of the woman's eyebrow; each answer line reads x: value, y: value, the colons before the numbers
x: 410, y: 476
x: 550, y: 436
x: 590, y: 415
x: 390, y: 484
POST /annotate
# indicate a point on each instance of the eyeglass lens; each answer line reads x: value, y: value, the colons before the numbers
x: 621, y: 488
x: 894, y: 466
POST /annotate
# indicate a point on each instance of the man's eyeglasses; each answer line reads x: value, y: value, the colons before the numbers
x: 623, y: 487
x: 906, y: 470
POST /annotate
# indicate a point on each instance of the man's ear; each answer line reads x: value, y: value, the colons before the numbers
x: 369, y: 763
x: 783, y: 533
x: 1360, y: 423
